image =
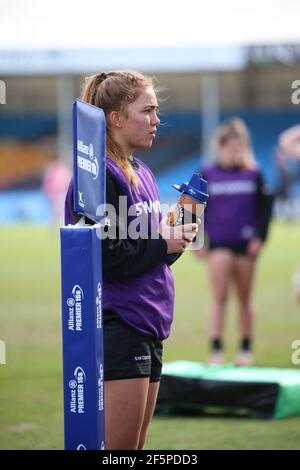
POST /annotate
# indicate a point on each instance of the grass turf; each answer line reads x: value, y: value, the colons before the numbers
x: 31, y: 405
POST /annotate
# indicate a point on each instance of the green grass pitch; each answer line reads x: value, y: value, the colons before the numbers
x: 31, y: 402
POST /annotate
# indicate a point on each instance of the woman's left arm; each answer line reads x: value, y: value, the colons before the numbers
x: 264, y: 201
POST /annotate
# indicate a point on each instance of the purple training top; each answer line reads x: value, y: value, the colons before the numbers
x: 231, y: 213
x: 145, y: 302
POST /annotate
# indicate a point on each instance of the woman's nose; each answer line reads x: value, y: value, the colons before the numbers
x: 156, y: 120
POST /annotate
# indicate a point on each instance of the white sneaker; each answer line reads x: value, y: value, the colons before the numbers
x: 216, y: 359
x: 244, y: 359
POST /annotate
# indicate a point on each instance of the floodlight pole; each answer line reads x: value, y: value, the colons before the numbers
x: 64, y: 100
x: 210, y: 111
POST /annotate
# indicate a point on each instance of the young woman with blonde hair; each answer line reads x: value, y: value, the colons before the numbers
x: 236, y: 225
x: 138, y: 291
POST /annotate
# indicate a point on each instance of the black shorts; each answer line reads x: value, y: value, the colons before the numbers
x: 236, y: 248
x: 127, y: 353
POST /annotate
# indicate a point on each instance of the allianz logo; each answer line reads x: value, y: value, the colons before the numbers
x: 99, y: 306
x: 87, y: 164
x: 76, y: 386
x: 86, y: 149
x: 101, y: 388
x: 74, y: 305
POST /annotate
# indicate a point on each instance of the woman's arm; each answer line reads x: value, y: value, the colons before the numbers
x: 264, y: 200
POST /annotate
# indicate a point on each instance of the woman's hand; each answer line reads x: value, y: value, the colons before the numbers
x: 254, y: 246
x: 178, y: 238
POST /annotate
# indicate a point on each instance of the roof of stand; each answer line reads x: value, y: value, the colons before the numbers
x: 71, y: 36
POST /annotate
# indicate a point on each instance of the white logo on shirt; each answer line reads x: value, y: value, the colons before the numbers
x: 147, y: 207
x: 232, y: 187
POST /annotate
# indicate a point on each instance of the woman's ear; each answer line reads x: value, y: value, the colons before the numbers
x: 116, y: 119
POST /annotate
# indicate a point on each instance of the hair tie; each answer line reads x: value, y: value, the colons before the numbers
x: 102, y: 77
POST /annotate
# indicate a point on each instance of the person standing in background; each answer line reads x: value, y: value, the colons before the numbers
x: 289, y: 146
x: 236, y: 225
x: 55, y: 183
x: 289, y: 142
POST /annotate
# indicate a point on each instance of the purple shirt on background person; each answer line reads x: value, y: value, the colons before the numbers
x: 232, y: 211
x: 144, y: 301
